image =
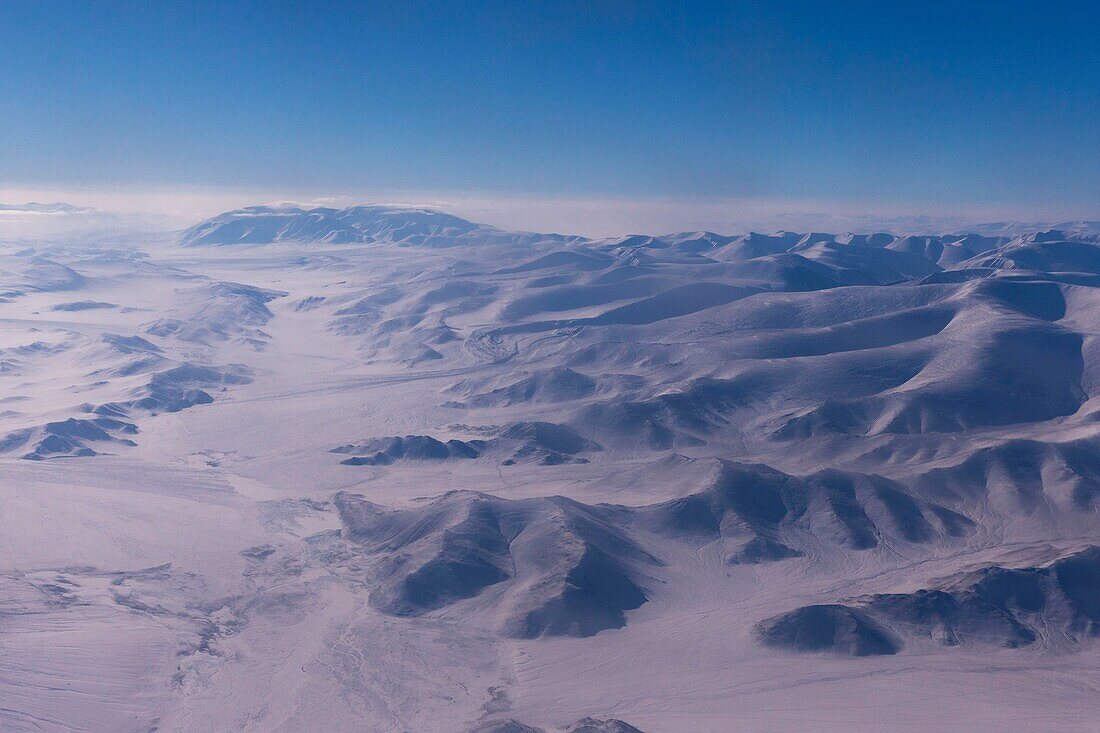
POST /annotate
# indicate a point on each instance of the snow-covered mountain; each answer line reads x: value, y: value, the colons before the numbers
x: 408, y: 472
x: 261, y: 224
x: 355, y: 224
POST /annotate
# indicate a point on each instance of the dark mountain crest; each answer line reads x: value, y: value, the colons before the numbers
x: 1056, y: 605
x: 574, y: 571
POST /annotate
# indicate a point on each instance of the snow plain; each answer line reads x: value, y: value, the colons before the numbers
x: 384, y: 469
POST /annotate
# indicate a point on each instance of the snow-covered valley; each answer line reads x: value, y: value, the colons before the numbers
x: 385, y: 469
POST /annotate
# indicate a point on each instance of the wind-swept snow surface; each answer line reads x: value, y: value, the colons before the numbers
x: 385, y: 469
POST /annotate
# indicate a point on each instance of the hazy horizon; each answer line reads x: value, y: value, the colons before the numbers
x: 166, y: 210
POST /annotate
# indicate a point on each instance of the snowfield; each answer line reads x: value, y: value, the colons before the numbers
x: 385, y: 469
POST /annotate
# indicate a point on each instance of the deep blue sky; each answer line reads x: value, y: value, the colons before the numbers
x: 933, y: 103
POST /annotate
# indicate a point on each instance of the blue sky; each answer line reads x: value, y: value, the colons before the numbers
x: 943, y: 106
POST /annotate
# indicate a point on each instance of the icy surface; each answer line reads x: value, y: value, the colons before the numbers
x: 386, y: 469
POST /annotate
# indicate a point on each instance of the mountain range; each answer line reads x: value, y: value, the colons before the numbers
x: 394, y: 470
